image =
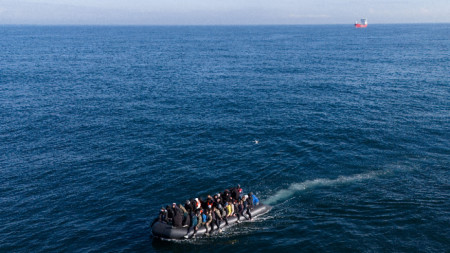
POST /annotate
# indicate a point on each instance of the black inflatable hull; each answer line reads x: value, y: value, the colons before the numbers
x: 164, y: 230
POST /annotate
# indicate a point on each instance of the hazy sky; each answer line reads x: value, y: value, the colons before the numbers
x: 207, y: 12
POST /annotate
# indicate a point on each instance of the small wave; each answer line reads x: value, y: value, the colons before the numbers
x: 320, y: 182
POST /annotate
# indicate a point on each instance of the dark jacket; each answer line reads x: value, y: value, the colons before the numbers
x: 236, y: 207
x: 248, y: 204
x: 226, y: 196
x: 187, y: 219
x: 162, y: 217
x: 240, y: 208
x: 204, y: 205
x: 189, y: 207
x: 177, y: 217
x: 235, y: 194
x: 218, y: 205
x: 169, y: 213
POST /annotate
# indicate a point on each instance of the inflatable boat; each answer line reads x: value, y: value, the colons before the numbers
x: 164, y: 230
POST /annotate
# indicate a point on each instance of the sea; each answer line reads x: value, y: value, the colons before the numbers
x: 345, y: 132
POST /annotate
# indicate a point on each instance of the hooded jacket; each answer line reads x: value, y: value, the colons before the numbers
x: 177, y: 217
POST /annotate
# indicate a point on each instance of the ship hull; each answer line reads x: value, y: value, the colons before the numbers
x: 360, y: 26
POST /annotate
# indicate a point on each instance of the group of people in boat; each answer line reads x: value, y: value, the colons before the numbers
x: 197, y: 212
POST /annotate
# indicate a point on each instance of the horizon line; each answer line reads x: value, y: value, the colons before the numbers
x: 274, y: 24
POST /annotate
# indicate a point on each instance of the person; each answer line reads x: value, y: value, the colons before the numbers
x: 239, y: 189
x: 186, y: 216
x: 228, y: 209
x: 203, y: 204
x: 208, y: 221
x: 216, y: 219
x: 177, y: 216
x: 201, y: 220
x: 240, y: 210
x: 169, y: 214
x: 223, y: 212
x: 198, y: 204
x: 232, y: 201
x: 235, y: 193
x: 255, y: 200
x: 218, y: 215
x: 188, y: 206
x: 182, y: 208
x: 247, y: 206
x: 226, y: 196
x: 209, y: 202
x: 249, y: 201
x: 194, y: 222
x: 217, y: 198
x: 162, y: 217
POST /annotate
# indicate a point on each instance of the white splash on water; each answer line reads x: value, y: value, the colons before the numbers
x: 298, y: 187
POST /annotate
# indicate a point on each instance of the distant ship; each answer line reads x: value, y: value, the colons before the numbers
x: 362, y: 24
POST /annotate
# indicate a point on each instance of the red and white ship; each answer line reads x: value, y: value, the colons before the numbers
x: 362, y: 24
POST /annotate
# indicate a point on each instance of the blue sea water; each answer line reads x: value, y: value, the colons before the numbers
x: 101, y: 126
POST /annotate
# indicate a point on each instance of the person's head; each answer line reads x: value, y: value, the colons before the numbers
x: 174, y: 205
x: 188, y: 202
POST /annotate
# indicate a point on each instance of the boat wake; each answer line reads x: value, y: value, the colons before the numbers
x: 298, y: 187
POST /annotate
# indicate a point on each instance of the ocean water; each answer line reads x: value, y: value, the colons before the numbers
x: 101, y: 126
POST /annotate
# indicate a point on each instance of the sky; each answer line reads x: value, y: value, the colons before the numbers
x: 220, y: 12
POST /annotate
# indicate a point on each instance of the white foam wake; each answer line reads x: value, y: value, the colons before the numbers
x: 297, y: 187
